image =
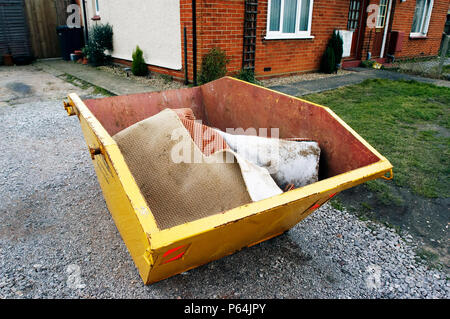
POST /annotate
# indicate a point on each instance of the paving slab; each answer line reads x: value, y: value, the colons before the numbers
x: 114, y: 84
x: 358, y: 76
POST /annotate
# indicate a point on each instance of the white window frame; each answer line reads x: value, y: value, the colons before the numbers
x: 273, y: 35
x: 425, y: 22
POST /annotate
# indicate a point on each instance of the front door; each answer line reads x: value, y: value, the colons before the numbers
x: 356, y: 23
x: 378, y: 31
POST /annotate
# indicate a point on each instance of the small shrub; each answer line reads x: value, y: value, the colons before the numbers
x: 100, y: 39
x: 337, y: 44
x: 328, y: 63
x: 248, y: 75
x: 214, y: 66
x: 333, y: 54
x: 139, y: 67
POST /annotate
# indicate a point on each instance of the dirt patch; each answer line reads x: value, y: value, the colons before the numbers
x: 425, y: 219
x: 20, y: 88
x: 25, y: 84
x: 440, y: 131
x: 428, y: 67
x: 160, y: 82
x: 301, y: 77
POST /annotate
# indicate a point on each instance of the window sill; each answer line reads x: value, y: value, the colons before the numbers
x: 280, y: 37
x: 417, y: 36
x: 96, y: 18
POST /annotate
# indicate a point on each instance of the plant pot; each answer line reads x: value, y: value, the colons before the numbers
x: 85, y: 61
x: 8, y: 60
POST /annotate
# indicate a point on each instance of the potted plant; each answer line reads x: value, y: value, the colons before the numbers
x: 7, y: 58
x: 84, y: 52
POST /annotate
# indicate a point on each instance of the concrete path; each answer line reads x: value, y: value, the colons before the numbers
x: 360, y: 74
x: 112, y: 83
x: 122, y: 86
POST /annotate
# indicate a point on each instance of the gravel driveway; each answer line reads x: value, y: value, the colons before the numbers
x: 57, y: 239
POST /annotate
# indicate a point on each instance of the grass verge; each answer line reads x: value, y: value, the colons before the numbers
x: 406, y: 121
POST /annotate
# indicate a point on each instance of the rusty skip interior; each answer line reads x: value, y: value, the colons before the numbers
x: 227, y: 103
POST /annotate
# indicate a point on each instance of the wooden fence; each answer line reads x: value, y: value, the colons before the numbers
x: 43, y: 16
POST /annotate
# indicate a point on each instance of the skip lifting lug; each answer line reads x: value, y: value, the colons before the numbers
x: 391, y: 175
x: 94, y: 151
x: 69, y: 108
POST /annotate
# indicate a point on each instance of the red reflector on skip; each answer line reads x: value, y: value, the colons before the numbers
x: 170, y: 251
x: 173, y: 254
x: 174, y: 258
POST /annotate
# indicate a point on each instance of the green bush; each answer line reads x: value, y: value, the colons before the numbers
x: 248, y: 75
x: 214, y: 66
x: 102, y: 34
x: 139, y: 67
x: 100, y: 39
x: 328, y: 63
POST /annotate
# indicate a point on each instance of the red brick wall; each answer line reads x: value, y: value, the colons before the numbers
x: 299, y: 55
x: 220, y: 23
x: 402, y: 21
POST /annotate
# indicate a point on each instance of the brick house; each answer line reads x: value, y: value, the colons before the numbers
x: 274, y: 37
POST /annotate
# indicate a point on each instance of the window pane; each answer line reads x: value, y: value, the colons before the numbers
x: 382, y: 13
x: 289, y: 16
x: 427, y: 8
x: 304, y: 15
x: 275, y: 10
x: 417, y: 21
x: 353, y: 15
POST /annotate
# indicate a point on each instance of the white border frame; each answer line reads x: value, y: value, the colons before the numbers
x: 425, y: 22
x: 274, y: 35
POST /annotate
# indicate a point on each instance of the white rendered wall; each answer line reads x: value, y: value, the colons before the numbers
x: 154, y: 25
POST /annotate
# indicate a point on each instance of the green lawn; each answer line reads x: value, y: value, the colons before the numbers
x: 408, y: 122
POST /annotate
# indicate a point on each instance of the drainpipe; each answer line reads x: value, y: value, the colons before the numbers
x: 386, y: 27
x: 86, y: 35
x: 194, y: 40
x: 186, y: 80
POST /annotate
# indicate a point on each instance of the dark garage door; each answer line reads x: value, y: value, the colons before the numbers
x: 14, y: 36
